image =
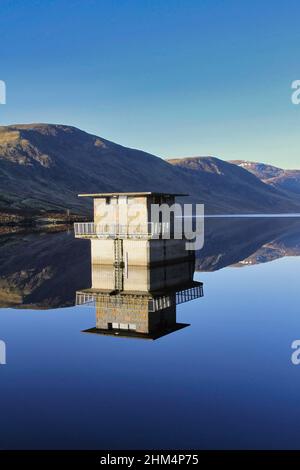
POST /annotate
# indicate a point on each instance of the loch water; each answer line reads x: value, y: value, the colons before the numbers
x: 226, y: 381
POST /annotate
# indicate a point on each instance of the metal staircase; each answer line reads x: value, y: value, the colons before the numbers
x: 119, y: 264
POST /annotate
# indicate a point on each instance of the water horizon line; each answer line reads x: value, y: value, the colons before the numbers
x: 242, y: 216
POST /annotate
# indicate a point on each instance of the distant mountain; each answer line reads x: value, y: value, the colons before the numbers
x: 270, y: 252
x: 43, y: 167
x: 41, y: 270
x: 246, y: 241
x: 285, y: 180
x: 232, y: 186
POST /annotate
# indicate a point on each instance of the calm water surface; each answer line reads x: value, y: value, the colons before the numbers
x: 225, y: 382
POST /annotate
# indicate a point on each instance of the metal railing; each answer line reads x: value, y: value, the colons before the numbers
x: 154, y: 304
x: 187, y: 295
x: 134, y: 302
x: 93, y: 230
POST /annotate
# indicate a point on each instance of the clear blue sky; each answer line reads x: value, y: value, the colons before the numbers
x: 172, y: 77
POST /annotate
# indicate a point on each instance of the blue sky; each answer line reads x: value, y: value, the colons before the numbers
x: 171, y: 77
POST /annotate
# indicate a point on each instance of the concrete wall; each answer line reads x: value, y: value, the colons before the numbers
x: 136, y: 278
x: 136, y: 252
x: 128, y: 210
x: 168, y: 276
x: 162, y: 319
x: 139, y: 252
x: 103, y: 277
x: 102, y: 251
x: 167, y: 250
x: 142, y: 278
x: 133, y: 311
x: 121, y: 210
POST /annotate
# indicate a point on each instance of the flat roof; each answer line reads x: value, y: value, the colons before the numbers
x: 135, y: 335
x: 148, y: 193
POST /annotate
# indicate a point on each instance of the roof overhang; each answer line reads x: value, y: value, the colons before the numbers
x: 138, y: 194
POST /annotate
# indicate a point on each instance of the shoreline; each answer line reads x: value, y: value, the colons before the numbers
x: 49, y: 228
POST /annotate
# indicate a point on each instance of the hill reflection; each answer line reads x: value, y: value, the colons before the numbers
x: 139, y: 301
x: 44, y: 270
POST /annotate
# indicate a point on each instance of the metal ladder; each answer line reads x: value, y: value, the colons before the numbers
x: 119, y: 264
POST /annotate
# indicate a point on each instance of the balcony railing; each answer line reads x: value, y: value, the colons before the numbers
x: 136, y: 301
x: 93, y: 230
x: 189, y: 294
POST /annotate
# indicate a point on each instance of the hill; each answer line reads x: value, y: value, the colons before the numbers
x: 44, y: 166
x: 232, y: 187
x: 284, y: 180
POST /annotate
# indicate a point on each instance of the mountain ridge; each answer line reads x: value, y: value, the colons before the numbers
x: 284, y: 179
x: 43, y: 167
x: 223, y: 175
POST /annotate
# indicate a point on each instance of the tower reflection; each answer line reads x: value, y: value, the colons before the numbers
x: 141, y: 269
x: 139, y: 301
